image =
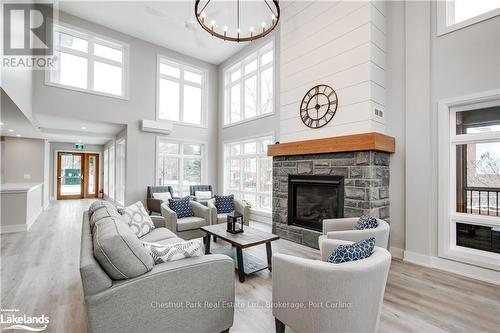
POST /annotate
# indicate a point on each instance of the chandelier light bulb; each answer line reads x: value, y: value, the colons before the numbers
x: 212, y: 23
x: 203, y: 15
x: 273, y: 17
x: 251, y: 29
x: 263, y: 24
x: 225, y: 28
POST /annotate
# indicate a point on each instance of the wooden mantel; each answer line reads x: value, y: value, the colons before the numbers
x: 356, y: 142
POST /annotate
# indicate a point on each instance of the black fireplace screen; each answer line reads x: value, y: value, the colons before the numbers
x: 311, y: 199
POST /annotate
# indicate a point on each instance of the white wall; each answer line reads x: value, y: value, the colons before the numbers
x: 141, y: 105
x: 24, y: 157
x: 338, y: 43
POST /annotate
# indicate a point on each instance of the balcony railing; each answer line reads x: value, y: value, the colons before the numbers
x: 482, y: 200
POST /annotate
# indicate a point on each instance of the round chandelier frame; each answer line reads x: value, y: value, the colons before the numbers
x: 237, y: 36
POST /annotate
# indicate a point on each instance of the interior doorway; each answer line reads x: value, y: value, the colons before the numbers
x: 77, y: 175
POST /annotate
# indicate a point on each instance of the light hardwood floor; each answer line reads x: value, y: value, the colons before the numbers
x: 39, y: 275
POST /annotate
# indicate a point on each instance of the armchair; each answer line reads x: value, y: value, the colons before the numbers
x: 239, y: 206
x: 194, y: 188
x: 343, y: 229
x: 350, y: 293
x: 187, y: 227
x: 154, y: 205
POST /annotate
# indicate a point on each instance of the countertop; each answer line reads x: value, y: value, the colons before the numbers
x: 18, y: 187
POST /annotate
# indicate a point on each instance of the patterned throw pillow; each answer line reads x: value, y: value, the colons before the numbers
x: 171, y: 252
x: 137, y: 218
x: 366, y: 222
x: 224, y: 203
x: 359, y: 250
x: 182, y: 207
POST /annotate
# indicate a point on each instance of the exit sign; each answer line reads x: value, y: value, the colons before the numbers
x: 79, y: 146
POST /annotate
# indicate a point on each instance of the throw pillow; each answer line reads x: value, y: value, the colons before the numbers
x: 356, y: 251
x: 203, y: 195
x: 171, y: 252
x: 224, y: 203
x: 137, y: 218
x: 163, y: 196
x: 182, y: 207
x: 366, y: 222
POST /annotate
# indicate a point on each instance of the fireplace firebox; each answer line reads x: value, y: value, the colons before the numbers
x: 311, y: 199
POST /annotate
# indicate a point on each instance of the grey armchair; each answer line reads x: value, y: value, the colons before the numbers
x: 194, y: 188
x: 350, y: 293
x: 154, y: 205
x: 187, y: 227
x: 239, y: 206
x: 343, y: 229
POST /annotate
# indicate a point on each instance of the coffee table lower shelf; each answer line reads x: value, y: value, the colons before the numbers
x: 251, y: 263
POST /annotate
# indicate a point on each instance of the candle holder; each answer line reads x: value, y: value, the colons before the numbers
x: 234, y: 222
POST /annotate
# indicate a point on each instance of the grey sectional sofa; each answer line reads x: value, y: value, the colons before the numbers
x: 126, y: 292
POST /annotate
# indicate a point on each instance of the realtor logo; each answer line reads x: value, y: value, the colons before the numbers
x: 28, y: 29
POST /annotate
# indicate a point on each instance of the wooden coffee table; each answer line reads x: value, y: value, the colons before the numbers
x: 248, y: 238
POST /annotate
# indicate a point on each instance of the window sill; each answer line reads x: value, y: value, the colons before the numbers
x: 443, y: 30
x: 87, y: 91
x: 180, y: 123
x: 249, y: 120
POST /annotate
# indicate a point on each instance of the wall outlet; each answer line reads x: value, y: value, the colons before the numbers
x: 378, y: 112
x: 27, y: 176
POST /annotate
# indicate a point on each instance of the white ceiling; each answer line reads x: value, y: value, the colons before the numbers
x: 164, y: 23
x: 13, y: 119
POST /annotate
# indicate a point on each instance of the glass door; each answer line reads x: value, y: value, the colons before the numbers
x: 69, y: 175
x: 91, y: 178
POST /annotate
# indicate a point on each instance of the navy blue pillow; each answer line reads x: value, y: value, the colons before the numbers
x: 224, y: 203
x: 359, y: 250
x: 366, y: 222
x: 182, y: 207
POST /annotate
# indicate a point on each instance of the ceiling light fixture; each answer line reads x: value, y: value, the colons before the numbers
x: 83, y: 128
x: 201, y: 16
x: 18, y: 135
x: 10, y: 130
x: 1, y: 124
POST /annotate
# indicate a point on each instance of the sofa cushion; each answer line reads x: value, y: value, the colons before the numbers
x: 137, y: 218
x: 356, y: 251
x: 182, y: 207
x: 99, y: 204
x: 224, y: 203
x: 157, y: 235
x: 163, y: 196
x: 366, y: 222
x: 203, y: 195
x: 118, y: 250
x: 170, y: 252
x: 190, y: 223
x: 103, y: 212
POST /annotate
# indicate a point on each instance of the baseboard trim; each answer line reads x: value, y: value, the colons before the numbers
x: 7, y: 229
x: 396, y: 252
x: 470, y: 271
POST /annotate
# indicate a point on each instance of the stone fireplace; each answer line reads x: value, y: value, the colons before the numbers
x: 310, y: 187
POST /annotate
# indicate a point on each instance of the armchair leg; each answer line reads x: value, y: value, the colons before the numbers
x: 225, y: 331
x: 280, y: 327
x: 150, y: 212
x: 215, y: 239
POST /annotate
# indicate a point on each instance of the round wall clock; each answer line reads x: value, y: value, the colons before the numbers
x: 318, y: 106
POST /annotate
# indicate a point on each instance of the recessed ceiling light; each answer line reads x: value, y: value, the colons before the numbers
x: 1, y: 124
x: 10, y: 130
x: 84, y: 128
x: 18, y: 134
x: 79, y: 141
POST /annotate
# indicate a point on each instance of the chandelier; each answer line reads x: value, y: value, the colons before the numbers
x: 238, y: 33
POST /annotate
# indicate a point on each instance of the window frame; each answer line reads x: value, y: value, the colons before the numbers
x: 160, y: 58
x: 120, y: 173
x: 180, y: 156
x: 445, y: 12
x: 240, y: 65
x: 92, y: 38
x: 257, y: 155
x: 448, y: 217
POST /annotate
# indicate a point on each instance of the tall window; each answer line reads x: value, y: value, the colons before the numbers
x: 249, y: 87
x: 181, y: 92
x: 478, y: 177
x: 120, y: 171
x: 248, y: 171
x: 179, y: 164
x: 456, y: 14
x: 87, y: 62
x: 111, y: 172
x: 106, y: 169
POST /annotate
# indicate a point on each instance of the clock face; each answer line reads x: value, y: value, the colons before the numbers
x: 318, y: 106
